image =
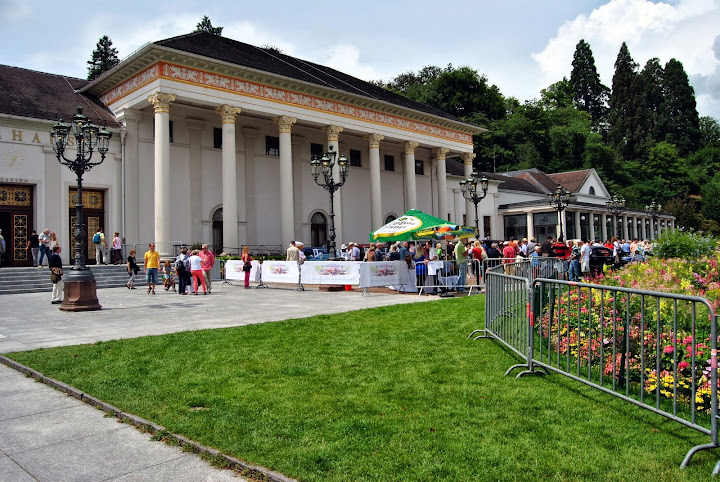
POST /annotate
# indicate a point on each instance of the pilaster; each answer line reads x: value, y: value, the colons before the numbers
x: 287, y: 206
x: 229, y: 178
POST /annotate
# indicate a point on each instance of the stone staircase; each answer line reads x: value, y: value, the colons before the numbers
x: 15, y: 281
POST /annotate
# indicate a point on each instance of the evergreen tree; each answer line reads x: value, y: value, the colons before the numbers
x: 679, y: 120
x: 205, y: 25
x: 589, y: 93
x: 627, y: 118
x: 652, y: 75
x: 104, y: 58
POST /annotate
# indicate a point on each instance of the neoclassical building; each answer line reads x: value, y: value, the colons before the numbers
x: 212, y: 142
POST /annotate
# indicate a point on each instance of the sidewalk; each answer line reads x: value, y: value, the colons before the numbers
x: 46, y: 435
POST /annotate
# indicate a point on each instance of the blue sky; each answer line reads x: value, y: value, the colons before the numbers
x: 522, y: 46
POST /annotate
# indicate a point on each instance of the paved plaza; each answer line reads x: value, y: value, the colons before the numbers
x: 46, y: 435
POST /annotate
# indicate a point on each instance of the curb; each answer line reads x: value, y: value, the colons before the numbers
x: 237, y: 465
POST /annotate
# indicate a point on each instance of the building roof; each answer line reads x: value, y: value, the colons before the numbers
x: 572, y: 181
x: 39, y: 95
x: 271, y: 61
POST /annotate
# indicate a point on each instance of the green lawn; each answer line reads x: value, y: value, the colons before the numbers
x: 394, y: 393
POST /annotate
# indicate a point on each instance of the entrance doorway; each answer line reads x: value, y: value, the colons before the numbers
x: 217, y: 231
x: 93, y: 218
x: 16, y: 209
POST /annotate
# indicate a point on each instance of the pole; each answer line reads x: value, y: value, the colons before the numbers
x: 331, y: 241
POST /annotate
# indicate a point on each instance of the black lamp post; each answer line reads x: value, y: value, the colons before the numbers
x: 325, y: 166
x: 559, y: 199
x: 616, y: 206
x: 80, y: 290
x: 468, y: 187
x: 653, y: 209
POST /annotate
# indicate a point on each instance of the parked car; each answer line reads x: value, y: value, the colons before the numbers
x: 316, y: 254
x: 601, y: 256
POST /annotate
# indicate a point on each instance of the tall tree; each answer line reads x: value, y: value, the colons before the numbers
x: 709, y: 131
x: 652, y: 79
x: 558, y: 95
x: 103, y: 58
x: 627, y: 118
x: 205, y: 25
x: 589, y: 93
x: 679, y: 120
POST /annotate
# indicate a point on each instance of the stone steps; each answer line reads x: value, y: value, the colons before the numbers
x: 34, y: 280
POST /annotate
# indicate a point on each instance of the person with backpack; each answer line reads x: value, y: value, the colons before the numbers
x: 100, y: 246
x: 182, y: 267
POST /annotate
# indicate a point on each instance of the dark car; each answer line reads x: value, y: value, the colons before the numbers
x: 601, y: 256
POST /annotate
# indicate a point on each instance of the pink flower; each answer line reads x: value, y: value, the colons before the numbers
x: 668, y: 349
x: 683, y: 365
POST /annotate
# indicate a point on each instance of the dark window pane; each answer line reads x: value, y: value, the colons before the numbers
x: 355, y: 158
x: 419, y: 167
x: 272, y: 146
x: 217, y: 138
x: 389, y: 163
x: 317, y: 150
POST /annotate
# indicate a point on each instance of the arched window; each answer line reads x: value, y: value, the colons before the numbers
x: 318, y: 229
x: 390, y: 218
x: 592, y: 191
x: 217, y: 230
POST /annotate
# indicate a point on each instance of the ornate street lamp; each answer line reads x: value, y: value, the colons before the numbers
x: 559, y: 199
x: 80, y: 290
x: 616, y: 206
x: 652, y: 210
x: 468, y: 187
x: 325, y: 166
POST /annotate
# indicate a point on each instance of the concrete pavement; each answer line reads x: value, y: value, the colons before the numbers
x: 46, y: 435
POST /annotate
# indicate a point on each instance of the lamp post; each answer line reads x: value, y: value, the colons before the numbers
x: 325, y: 166
x: 616, y: 206
x: 80, y: 290
x: 652, y: 210
x: 559, y: 199
x: 468, y: 187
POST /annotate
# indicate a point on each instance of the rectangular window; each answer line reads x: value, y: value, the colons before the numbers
x: 217, y: 138
x: 486, y: 227
x: 419, y: 168
x: 389, y: 163
x: 272, y: 146
x: 171, y: 132
x: 355, y: 158
x: 316, y: 150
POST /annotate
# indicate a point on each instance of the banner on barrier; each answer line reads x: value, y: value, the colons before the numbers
x: 280, y: 272
x: 234, y: 271
x: 330, y: 272
x: 383, y: 273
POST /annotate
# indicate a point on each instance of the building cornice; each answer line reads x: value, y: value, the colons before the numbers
x: 147, y: 65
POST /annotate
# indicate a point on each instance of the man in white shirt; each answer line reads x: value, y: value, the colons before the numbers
x: 301, y: 253
x: 44, y: 239
x: 585, y: 258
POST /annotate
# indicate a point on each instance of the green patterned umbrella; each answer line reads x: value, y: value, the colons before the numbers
x: 416, y: 224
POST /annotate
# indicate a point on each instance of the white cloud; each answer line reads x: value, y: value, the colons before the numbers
x: 346, y: 59
x: 684, y: 31
x: 14, y: 10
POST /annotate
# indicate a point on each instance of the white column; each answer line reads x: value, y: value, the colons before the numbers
x: 333, y: 136
x: 591, y: 226
x: 252, y: 211
x: 229, y: 178
x: 530, y: 225
x: 194, y: 194
x: 603, y: 227
x: 410, y: 187
x: 467, y: 158
x: 131, y: 210
x: 163, y: 220
x: 287, y: 206
x: 578, y: 228
x: 625, y: 233
x: 376, y: 213
x: 440, y: 154
x: 459, y: 200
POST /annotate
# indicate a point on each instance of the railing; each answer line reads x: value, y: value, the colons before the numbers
x: 655, y: 350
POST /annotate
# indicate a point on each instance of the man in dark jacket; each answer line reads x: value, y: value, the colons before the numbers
x: 55, y: 265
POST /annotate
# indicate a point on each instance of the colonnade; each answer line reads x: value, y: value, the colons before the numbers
x: 161, y: 103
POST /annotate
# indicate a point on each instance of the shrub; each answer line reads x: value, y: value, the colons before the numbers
x: 679, y: 243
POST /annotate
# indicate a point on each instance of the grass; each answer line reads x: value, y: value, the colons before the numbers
x: 393, y: 393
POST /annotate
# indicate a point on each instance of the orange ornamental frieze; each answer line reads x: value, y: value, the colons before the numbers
x: 223, y: 82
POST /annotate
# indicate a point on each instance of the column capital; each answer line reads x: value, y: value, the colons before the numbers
x: 161, y: 101
x: 374, y: 140
x: 467, y: 158
x: 440, y: 153
x: 228, y: 113
x: 410, y: 147
x: 333, y: 132
x: 284, y: 123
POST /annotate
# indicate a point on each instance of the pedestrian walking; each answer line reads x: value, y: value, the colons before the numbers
x: 56, y: 274
x: 132, y: 269
x: 33, y: 245
x: 208, y: 261
x: 247, y: 265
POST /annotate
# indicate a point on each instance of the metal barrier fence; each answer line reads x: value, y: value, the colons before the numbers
x: 655, y: 350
